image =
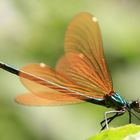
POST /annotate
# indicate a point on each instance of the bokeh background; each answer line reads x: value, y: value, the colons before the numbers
x: 33, y: 31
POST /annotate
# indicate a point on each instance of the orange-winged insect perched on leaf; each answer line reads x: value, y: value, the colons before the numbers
x: 81, y: 75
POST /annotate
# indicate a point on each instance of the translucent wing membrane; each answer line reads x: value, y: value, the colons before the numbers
x: 46, y: 83
x: 83, y: 39
x: 75, y: 67
x: 80, y: 75
x: 50, y: 85
x: 50, y: 100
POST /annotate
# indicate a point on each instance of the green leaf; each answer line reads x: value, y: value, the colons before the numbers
x: 127, y: 132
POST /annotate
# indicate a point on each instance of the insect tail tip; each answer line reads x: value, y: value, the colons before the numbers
x: 1, y: 64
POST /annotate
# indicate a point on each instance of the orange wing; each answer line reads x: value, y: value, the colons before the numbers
x: 50, y: 100
x: 84, y: 60
x: 53, y: 87
x: 81, y: 74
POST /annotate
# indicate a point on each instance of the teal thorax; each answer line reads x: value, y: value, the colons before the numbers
x: 116, y: 101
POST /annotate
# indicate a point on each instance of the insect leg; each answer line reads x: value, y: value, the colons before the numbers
x: 108, y: 119
x: 118, y: 113
x: 129, y: 116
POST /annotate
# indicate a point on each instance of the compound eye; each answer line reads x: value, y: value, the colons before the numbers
x: 135, y: 104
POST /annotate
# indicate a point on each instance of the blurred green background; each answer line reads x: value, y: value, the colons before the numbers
x: 33, y: 31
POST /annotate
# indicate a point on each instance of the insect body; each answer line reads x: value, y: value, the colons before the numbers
x: 80, y: 75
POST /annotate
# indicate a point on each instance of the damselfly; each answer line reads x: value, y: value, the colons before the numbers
x: 80, y: 75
